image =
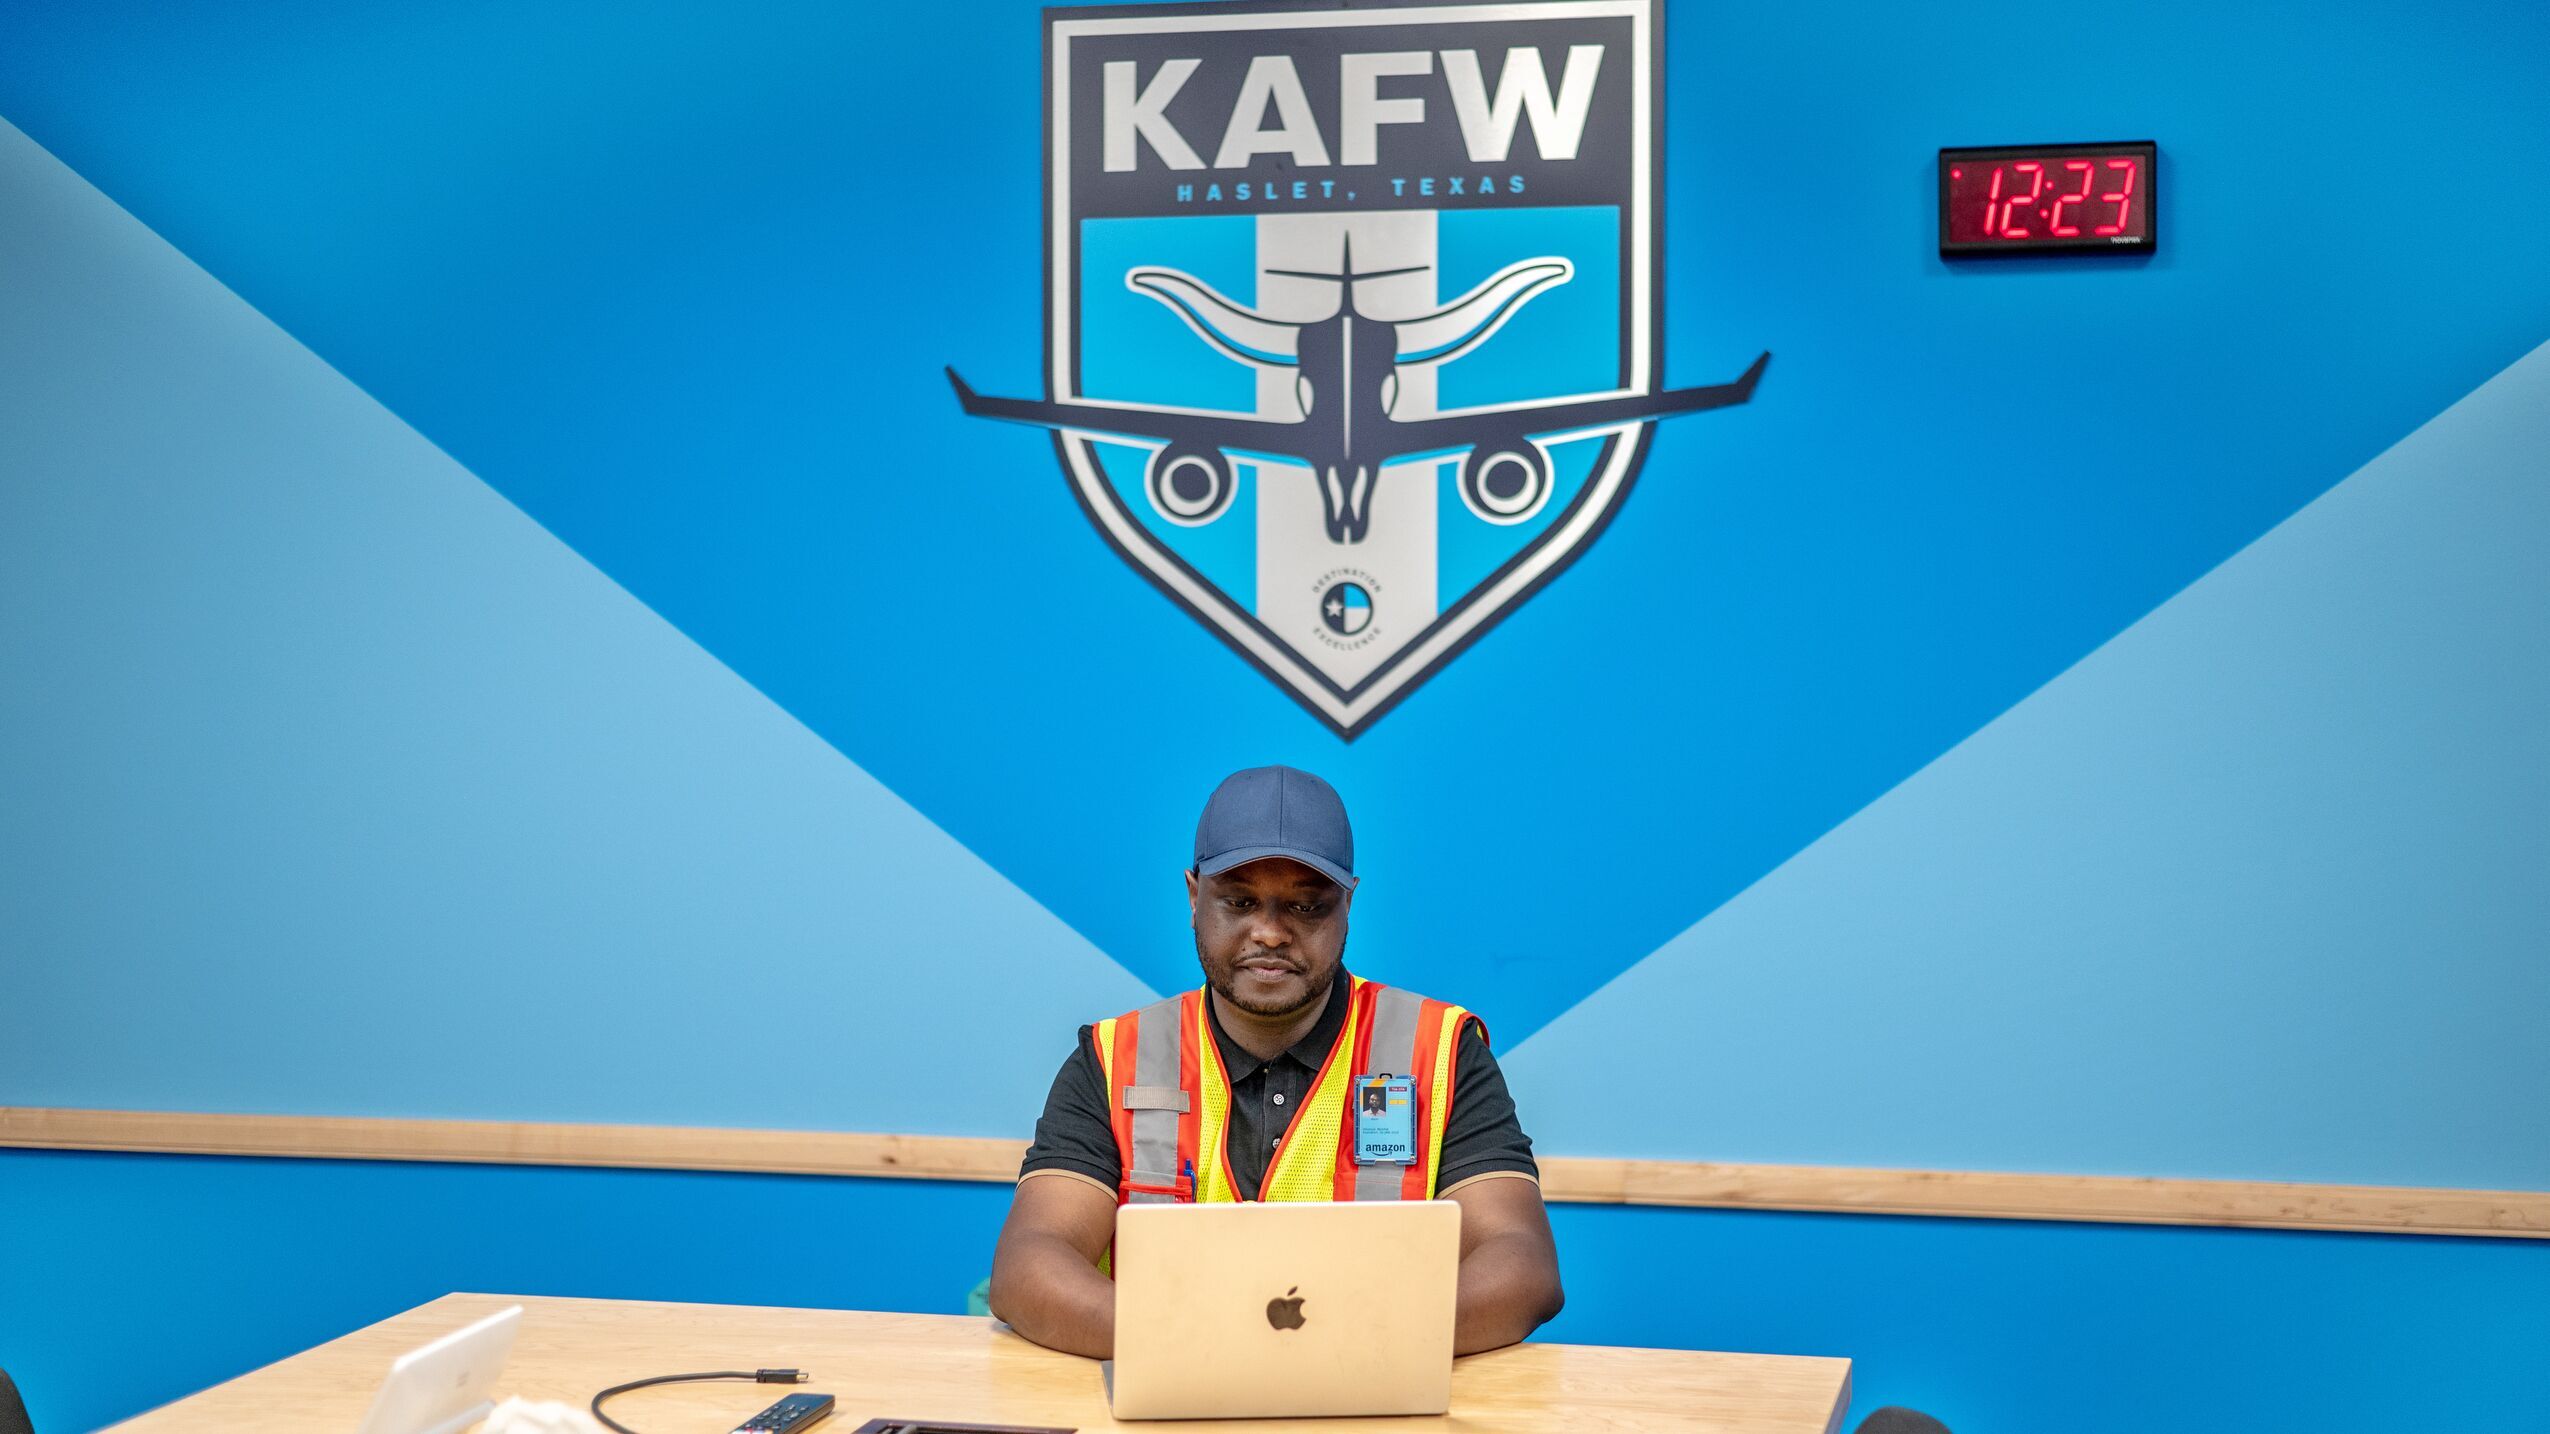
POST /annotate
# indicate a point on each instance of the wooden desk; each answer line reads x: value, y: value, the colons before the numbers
x: 953, y: 1367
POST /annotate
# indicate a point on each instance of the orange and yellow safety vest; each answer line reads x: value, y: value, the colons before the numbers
x: 1170, y: 1101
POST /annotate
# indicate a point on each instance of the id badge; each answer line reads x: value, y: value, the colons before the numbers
x: 1385, y: 1120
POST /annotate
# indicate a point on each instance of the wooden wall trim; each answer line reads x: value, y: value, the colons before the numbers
x: 496, y: 1142
x: 1984, y: 1194
x: 1954, y: 1193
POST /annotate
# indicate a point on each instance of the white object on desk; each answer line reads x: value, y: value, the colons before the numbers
x: 448, y: 1385
x: 539, y: 1416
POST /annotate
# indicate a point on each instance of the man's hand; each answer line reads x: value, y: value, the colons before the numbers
x: 1509, y: 1264
x: 1045, y: 1279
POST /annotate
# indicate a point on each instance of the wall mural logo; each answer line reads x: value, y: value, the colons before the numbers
x: 1351, y: 332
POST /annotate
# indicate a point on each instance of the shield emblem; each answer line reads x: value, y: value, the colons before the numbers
x: 1351, y: 327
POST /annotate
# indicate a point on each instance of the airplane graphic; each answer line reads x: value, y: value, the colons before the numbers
x: 1347, y: 379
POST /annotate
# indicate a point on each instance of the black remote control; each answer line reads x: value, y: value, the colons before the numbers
x: 795, y: 1412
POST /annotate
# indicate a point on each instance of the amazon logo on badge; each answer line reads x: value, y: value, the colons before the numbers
x: 1351, y: 337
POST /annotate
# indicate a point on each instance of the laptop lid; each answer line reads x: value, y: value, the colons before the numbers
x: 448, y: 1385
x: 1276, y: 1311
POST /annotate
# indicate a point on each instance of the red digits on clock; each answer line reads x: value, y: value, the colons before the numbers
x: 2056, y: 226
x: 2119, y: 198
x: 2010, y: 207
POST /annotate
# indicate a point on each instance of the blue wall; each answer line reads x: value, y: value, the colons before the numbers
x: 497, y: 598
x: 678, y: 282
x: 155, y: 1275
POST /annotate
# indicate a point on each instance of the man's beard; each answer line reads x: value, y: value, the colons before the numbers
x: 1227, y: 989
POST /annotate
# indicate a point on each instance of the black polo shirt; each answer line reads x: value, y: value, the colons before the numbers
x: 1483, y: 1137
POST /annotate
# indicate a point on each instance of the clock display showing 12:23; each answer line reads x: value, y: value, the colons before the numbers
x: 2041, y: 198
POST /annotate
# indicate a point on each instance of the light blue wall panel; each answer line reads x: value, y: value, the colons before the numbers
x: 338, y: 786
x: 2255, y: 891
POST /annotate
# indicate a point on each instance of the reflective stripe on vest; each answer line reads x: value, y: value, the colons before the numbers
x: 1169, y: 1099
x: 1153, y: 1132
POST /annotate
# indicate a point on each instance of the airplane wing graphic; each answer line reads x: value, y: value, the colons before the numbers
x: 1458, y: 430
x: 1203, y: 430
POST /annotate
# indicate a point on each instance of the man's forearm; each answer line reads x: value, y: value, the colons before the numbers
x: 1509, y: 1288
x: 1046, y: 1291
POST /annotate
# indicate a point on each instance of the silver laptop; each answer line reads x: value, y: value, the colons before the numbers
x: 1252, y: 1311
x: 448, y: 1385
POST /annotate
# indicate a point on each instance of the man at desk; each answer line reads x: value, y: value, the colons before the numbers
x: 1240, y: 1091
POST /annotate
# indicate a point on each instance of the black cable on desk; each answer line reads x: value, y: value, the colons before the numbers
x: 757, y: 1376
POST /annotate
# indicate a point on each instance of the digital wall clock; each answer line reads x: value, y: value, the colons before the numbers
x: 2053, y: 198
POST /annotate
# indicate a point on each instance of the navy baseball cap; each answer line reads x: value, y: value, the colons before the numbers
x: 1275, y: 811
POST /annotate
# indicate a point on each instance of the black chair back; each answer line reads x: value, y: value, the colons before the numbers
x: 13, y: 1410
x: 1892, y: 1420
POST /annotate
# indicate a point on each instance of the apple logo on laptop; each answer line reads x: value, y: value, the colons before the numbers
x: 1285, y: 1313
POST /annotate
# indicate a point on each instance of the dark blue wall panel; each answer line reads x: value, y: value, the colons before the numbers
x: 130, y: 1280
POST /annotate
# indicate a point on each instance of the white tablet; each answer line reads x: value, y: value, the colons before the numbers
x: 446, y: 1386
